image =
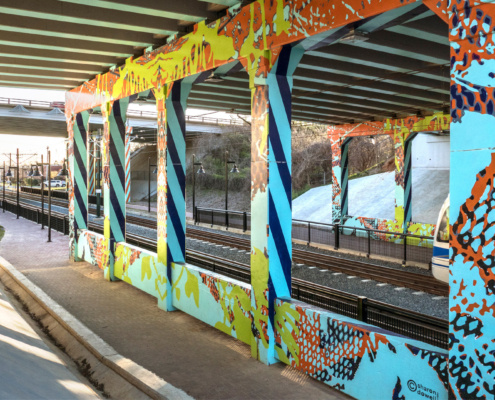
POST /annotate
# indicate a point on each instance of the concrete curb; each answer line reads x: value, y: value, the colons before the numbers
x: 144, y: 380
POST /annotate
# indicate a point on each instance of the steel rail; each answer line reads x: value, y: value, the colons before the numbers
x: 399, y: 320
x: 414, y: 281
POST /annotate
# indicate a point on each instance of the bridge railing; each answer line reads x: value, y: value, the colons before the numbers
x: 395, y: 245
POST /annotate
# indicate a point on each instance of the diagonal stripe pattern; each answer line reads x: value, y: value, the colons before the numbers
x: 176, y: 173
x: 271, y: 199
x: 117, y: 202
x: 92, y: 169
x: 128, y: 133
x: 78, y: 196
x: 408, y: 180
x: 344, y: 177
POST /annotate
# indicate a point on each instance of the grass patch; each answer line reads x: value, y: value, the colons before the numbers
x: 2, y: 232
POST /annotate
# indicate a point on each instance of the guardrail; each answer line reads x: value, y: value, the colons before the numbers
x: 401, y: 246
x: 130, y: 112
x: 57, y: 194
x: 417, y: 326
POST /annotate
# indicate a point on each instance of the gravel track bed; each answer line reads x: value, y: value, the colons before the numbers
x: 344, y: 256
x: 423, y: 303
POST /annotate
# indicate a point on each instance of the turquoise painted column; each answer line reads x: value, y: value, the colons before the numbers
x: 271, y: 197
x: 171, y: 180
x: 128, y: 134
x: 78, y: 176
x: 113, y: 157
x: 340, y: 174
x: 472, y: 207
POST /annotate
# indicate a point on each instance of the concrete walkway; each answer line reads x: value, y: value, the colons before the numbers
x: 192, y: 356
x: 28, y: 368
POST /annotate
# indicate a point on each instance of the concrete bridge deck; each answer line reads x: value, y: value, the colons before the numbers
x: 182, y: 350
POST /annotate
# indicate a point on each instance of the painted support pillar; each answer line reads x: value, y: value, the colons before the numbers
x: 113, y: 158
x: 472, y: 192
x: 403, y: 179
x: 171, y: 102
x: 128, y: 133
x: 92, y: 168
x: 340, y: 174
x: 78, y: 175
x: 271, y: 196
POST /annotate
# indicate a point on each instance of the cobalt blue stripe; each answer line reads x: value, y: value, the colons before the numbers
x: 278, y: 152
x: 82, y: 208
x: 175, y: 219
x: 285, y: 93
x: 117, y: 210
x: 280, y: 243
x: 170, y: 260
x: 178, y: 109
x: 174, y: 156
x: 271, y: 301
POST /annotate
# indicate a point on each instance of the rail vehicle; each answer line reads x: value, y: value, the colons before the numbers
x: 440, y: 260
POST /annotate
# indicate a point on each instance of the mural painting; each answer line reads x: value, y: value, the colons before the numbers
x: 472, y: 159
x: 93, y: 248
x: 355, y: 357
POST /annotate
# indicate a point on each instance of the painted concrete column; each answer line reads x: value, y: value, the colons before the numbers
x: 128, y: 133
x: 171, y: 102
x: 472, y: 211
x: 113, y: 159
x: 271, y: 196
x: 78, y: 175
x: 403, y: 178
x: 340, y: 175
x: 91, y: 168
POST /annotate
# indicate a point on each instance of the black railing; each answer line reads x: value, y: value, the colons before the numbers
x: 57, y: 194
x: 58, y: 222
x: 401, y: 246
x: 417, y: 326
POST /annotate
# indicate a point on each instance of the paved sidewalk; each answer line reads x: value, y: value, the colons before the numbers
x: 28, y: 368
x: 189, y: 354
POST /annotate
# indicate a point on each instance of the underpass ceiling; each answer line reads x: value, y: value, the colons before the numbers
x: 402, y: 69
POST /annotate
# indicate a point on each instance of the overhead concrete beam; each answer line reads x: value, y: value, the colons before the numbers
x: 61, y: 44
x: 68, y: 30
x: 189, y: 10
x: 87, y: 15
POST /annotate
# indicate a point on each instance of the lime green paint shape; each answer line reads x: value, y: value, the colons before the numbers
x: 286, y: 322
x: 146, y: 268
x: 192, y: 286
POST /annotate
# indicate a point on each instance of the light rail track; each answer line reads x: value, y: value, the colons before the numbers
x: 418, y: 326
x: 393, y: 276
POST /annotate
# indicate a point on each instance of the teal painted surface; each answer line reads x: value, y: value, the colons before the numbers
x: 361, y: 360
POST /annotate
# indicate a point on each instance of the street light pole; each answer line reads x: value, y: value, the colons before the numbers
x: 149, y: 181
x: 18, y: 183
x: 98, y: 175
x: 3, y: 173
x: 227, y: 162
x: 149, y: 184
x: 202, y: 171
x: 49, y: 198
x: 42, y: 194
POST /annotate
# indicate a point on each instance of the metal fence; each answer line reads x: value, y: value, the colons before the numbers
x: 58, y: 222
x: 417, y: 326
x: 57, y: 194
x: 401, y: 246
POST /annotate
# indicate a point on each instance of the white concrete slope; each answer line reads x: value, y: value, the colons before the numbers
x: 374, y: 196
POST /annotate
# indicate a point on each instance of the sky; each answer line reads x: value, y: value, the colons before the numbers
x: 29, y: 145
